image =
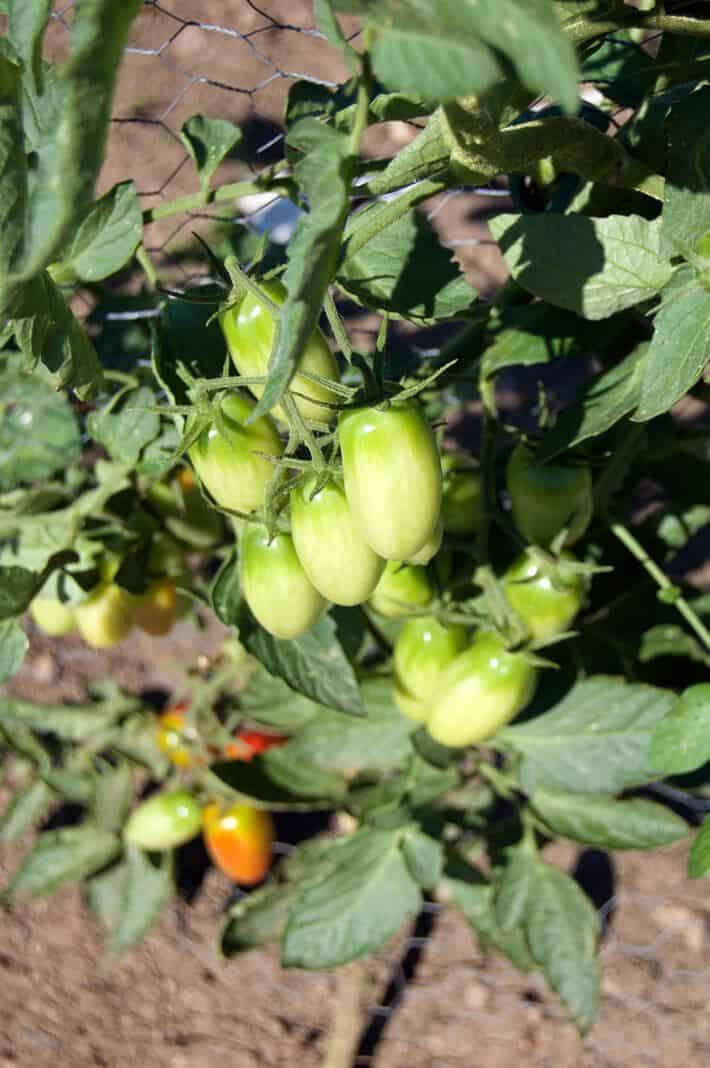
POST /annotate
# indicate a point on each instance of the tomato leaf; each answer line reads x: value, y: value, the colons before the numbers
x: 361, y: 904
x: 66, y: 855
x: 680, y: 346
x: 256, y: 919
x: 277, y: 783
x: 71, y: 723
x: 594, y: 267
x: 473, y: 895
x: 209, y: 141
x: 130, y: 897
x: 313, y: 665
x: 681, y: 741
x: 107, y: 236
x: 595, y: 740
x: 125, y: 431
x: 424, y: 856
x: 268, y: 700
x: 26, y: 808
x: 13, y: 647
x: 226, y: 592
x: 608, y: 823
x: 669, y: 639
x: 686, y: 206
x: 112, y: 796
x: 699, y: 858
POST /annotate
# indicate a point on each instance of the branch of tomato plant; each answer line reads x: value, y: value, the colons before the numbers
x: 220, y: 194
x: 583, y: 29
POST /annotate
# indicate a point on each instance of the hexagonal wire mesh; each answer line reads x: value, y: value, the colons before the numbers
x: 434, y: 999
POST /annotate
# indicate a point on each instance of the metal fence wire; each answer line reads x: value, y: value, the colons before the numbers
x: 434, y: 999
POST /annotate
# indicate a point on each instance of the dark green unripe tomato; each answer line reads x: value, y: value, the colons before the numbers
x: 106, y: 616
x: 424, y: 647
x: 226, y: 455
x: 249, y: 331
x: 462, y: 500
x: 430, y: 548
x: 392, y: 477
x: 164, y: 821
x: 402, y: 589
x: 546, y: 596
x: 335, y: 556
x: 479, y: 692
x: 275, y: 585
x: 546, y: 497
x: 52, y: 616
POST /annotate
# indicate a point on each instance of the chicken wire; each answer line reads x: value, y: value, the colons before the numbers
x: 435, y: 1000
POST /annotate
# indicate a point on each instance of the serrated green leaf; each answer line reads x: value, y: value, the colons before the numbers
x: 356, y: 910
x: 313, y: 665
x: 681, y: 741
x: 226, y: 591
x: 62, y: 856
x: 281, y: 785
x: 71, y: 723
x: 107, y: 236
x: 595, y: 740
x: 620, y: 69
x: 256, y: 919
x: 13, y: 646
x: 473, y: 895
x: 699, y: 858
x: 668, y: 639
x: 209, y: 141
x: 607, y: 823
x: 126, y: 431
x: 594, y: 267
x: 680, y: 345
x: 17, y: 588
x: 268, y: 700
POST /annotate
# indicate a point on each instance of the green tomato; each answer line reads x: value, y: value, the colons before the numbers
x: 430, y: 548
x: 52, y: 616
x: 480, y: 691
x: 392, y: 477
x: 547, y: 497
x: 335, y: 556
x: 402, y: 588
x: 226, y: 455
x: 105, y: 617
x: 187, y: 515
x: 546, y: 596
x: 275, y: 584
x: 249, y: 331
x: 424, y: 647
x: 462, y: 499
x: 164, y: 821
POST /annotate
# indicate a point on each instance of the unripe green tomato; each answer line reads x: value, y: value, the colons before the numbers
x: 430, y: 548
x: 392, y: 477
x: 546, y: 597
x: 462, y: 499
x: 158, y: 608
x: 105, y: 617
x: 402, y: 588
x: 249, y: 331
x: 424, y: 647
x: 275, y: 585
x: 547, y: 497
x: 480, y: 691
x: 53, y: 617
x: 335, y: 556
x: 226, y: 455
x: 164, y: 821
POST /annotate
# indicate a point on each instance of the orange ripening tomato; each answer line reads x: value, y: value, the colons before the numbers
x: 239, y: 841
x: 249, y: 743
x: 175, y: 738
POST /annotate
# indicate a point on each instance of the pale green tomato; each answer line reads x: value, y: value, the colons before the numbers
x: 335, y: 556
x: 402, y: 589
x: 430, y: 548
x: 52, y: 616
x: 544, y: 498
x: 546, y: 597
x: 480, y: 691
x: 226, y: 455
x: 105, y: 617
x: 424, y: 648
x: 164, y: 821
x: 249, y: 331
x: 462, y: 499
x: 275, y: 585
x: 392, y: 477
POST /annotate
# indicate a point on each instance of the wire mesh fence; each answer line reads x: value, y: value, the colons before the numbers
x: 434, y: 999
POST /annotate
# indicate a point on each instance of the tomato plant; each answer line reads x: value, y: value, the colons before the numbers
x: 239, y: 840
x: 390, y: 564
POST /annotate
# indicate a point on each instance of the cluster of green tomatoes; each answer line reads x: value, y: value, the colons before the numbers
x: 370, y: 529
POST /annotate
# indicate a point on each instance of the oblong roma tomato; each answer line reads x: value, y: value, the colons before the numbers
x: 164, y: 821
x: 276, y: 587
x: 402, y: 589
x: 226, y: 455
x: 156, y: 610
x: 239, y: 841
x: 547, y: 597
x: 335, y: 556
x: 546, y: 497
x: 462, y: 498
x: 424, y: 647
x: 249, y: 332
x: 53, y: 616
x: 430, y: 548
x: 106, y: 616
x: 480, y: 691
x: 392, y: 477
